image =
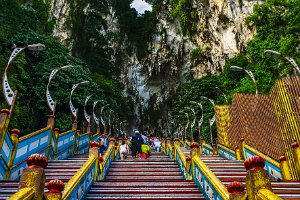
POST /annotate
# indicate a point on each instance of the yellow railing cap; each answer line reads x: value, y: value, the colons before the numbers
x: 265, y: 194
x: 72, y: 183
x: 34, y: 133
x: 23, y: 194
x: 211, y: 177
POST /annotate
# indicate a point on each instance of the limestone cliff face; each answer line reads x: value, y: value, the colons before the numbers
x: 220, y: 34
x: 60, y: 11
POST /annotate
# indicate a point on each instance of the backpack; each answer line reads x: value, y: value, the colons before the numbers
x: 134, y: 140
x: 137, y: 139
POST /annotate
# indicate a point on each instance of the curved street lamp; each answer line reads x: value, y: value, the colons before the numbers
x: 113, y: 121
x: 96, y: 119
x: 101, y: 117
x: 289, y: 59
x: 72, y: 108
x: 224, y: 95
x: 121, y: 127
x: 193, y: 122
x: 51, y: 103
x: 188, y: 122
x: 236, y: 68
x: 109, y: 114
x: 213, y: 119
x: 86, y: 116
x: 200, y: 121
x: 9, y: 95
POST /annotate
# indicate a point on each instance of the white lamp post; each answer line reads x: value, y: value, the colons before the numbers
x: 188, y: 122
x: 224, y: 95
x: 121, y: 127
x: 51, y: 103
x: 72, y: 108
x: 236, y: 68
x: 193, y: 122
x: 289, y: 59
x: 101, y: 117
x: 213, y: 119
x: 200, y: 121
x: 86, y: 116
x: 9, y: 95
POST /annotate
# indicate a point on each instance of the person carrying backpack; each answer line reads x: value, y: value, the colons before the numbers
x: 137, y: 142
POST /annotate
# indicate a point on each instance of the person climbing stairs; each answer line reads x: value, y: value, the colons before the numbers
x: 56, y: 169
x: 155, y: 178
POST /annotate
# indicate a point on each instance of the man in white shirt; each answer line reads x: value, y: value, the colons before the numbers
x: 157, y: 144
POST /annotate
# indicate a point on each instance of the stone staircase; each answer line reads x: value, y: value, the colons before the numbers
x: 232, y: 170
x: 155, y: 178
x: 56, y: 169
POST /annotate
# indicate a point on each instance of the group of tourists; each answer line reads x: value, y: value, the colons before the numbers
x: 140, y: 145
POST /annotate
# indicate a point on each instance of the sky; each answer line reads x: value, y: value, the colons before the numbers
x: 141, y: 6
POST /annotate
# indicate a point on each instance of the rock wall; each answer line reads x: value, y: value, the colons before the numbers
x: 60, y: 11
x: 221, y: 34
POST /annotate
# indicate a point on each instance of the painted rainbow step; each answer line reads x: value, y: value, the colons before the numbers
x: 145, y: 179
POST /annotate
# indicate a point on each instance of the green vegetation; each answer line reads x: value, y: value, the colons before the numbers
x: 182, y: 9
x: 29, y: 73
x: 278, y: 28
x: 137, y: 28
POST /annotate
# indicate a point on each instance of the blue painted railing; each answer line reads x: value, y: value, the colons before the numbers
x: 83, y: 143
x: 272, y: 166
x: 94, y: 138
x: 181, y: 161
x: 65, y: 145
x: 81, y: 182
x: 108, y: 158
x: 210, y: 186
x: 5, y: 155
x: 226, y: 153
x: 46, y: 142
x: 207, y: 149
x: 206, y: 180
x: 79, y: 185
x: 37, y: 142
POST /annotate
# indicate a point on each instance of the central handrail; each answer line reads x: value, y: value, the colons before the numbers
x: 219, y: 187
x: 77, y: 180
x: 181, y: 161
x: 23, y: 194
x: 107, y: 159
x: 206, y: 180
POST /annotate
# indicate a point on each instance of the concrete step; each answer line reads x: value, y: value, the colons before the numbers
x: 145, y: 166
x: 136, y: 178
x: 154, y: 170
x: 144, y: 191
x: 145, y: 184
x: 145, y: 196
x: 144, y: 173
x: 143, y: 162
